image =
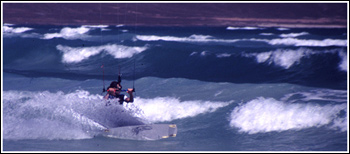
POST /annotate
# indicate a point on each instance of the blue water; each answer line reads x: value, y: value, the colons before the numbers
x: 226, y: 88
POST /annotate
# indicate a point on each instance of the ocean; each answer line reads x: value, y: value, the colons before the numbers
x: 225, y: 88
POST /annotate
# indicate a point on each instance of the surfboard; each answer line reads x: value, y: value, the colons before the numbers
x: 143, y: 132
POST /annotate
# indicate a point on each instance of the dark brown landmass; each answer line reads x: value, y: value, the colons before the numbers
x: 179, y: 14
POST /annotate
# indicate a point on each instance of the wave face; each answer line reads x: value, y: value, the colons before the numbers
x: 226, y: 88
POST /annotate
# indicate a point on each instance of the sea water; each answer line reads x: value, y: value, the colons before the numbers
x: 226, y: 88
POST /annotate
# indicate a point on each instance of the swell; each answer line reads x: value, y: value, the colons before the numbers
x: 245, y: 56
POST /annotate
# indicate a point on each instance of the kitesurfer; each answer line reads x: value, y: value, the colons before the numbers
x: 113, y: 92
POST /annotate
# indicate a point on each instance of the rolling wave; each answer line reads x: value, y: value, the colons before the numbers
x: 301, y: 56
x: 263, y: 115
x: 288, y: 57
x: 162, y: 109
x: 78, y: 54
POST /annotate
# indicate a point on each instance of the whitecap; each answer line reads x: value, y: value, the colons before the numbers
x: 69, y: 33
x: 282, y: 29
x: 46, y: 115
x: 343, y: 64
x: 289, y: 57
x: 162, y: 109
x: 266, y: 34
x: 243, y: 28
x: 78, y: 54
x: 263, y: 115
x: 17, y: 30
x: 294, y: 34
x: 193, y: 38
x: 281, y: 57
x: 223, y: 55
x: 304, y: 42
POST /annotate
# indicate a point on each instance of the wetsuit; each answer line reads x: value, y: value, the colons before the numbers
x: 120, y: 98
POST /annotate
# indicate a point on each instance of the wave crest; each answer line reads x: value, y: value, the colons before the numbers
x: 78, y: 54
x: 267, y: 114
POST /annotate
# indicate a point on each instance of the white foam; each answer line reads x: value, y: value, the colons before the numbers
x: 304, y: 42
x: 262, y: 57
x: 266, y: 34
x: 192, y: 38
x: 267, y: 114
x: 193, y: 53
x: 8, y: 24
x: 282, y: 29
x: 223, y: 55
x: 286, y: 58
x: 294, y: 34
x: 204, y: 53
x: 340, y: 124
x: 9, y: 30
x: 288, y: 40
x: 42, y: 129
x: 121, y: 51
x: 289, y: 57
x: 102, y: 27
x: 78, y: 54
x: 75, y: 33
x: 157, y: 38
x: 77, y: 115
x: 74, y: 55
x: 95, y: 26
x: 162, y: 109
x: 69, y: 33
x: 328, y: 95
x: 281, y: 57
x: 46, y: 115
x: 242, y: 28
x: 343, y: 65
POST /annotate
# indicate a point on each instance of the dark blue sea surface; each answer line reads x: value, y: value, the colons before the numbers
x: 226, y: 88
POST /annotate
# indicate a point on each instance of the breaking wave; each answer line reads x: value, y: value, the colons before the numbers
x: 78, y: 54
x: 263, y: 115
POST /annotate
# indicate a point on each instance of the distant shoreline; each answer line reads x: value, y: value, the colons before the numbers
x: 292, y: 15
x: 210, y: 22
x: 265, y: 25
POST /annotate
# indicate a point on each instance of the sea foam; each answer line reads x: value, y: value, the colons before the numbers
x: 263, y: 115
x: 162, y: 109
x: 78, y: 54
x: 286, y: 58
x: 69, y: 33
x: 46, y: 115
x: 286, y: 40
x: 193, y: 38
x: 8, y: 29
x: 81, y: 115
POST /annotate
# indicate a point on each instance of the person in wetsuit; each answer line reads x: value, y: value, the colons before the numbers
x: 113, y: 92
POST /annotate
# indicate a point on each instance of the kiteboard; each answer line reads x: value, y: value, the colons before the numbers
x: 142, y: 132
